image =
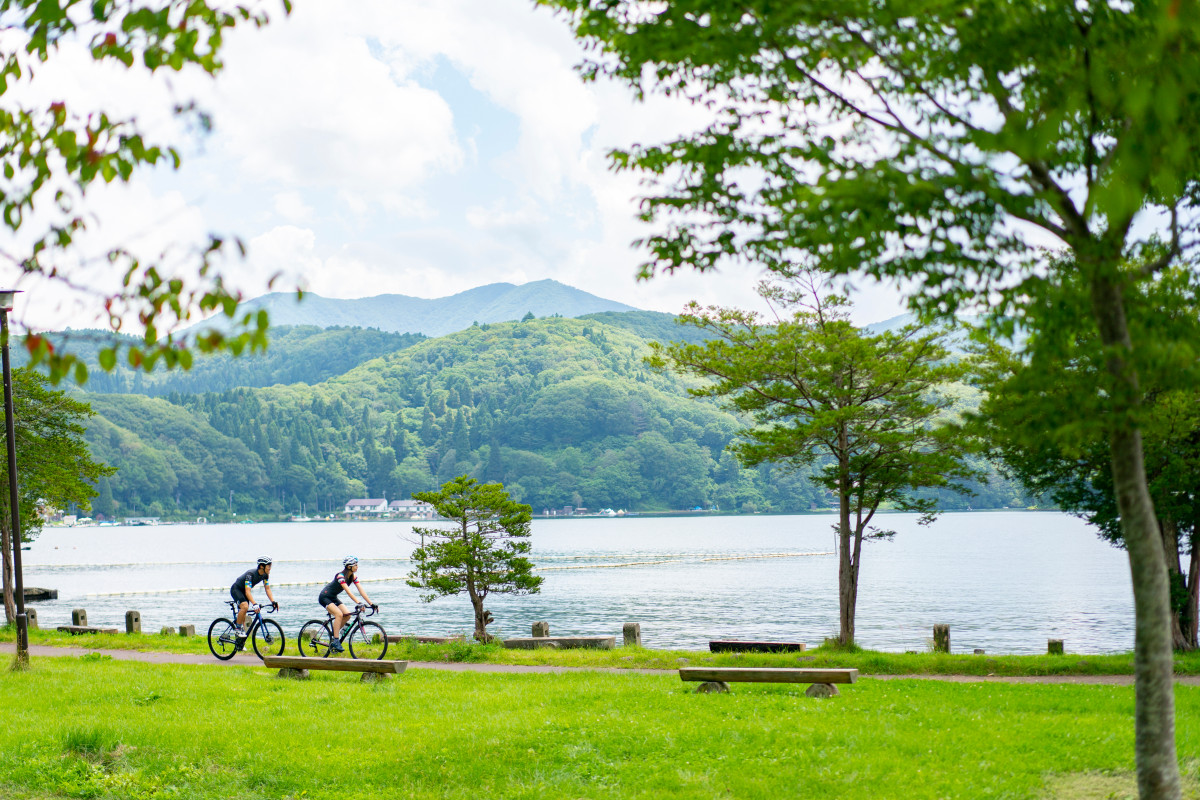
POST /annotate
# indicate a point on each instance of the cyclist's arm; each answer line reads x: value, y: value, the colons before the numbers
x: 249, y: 595
x: 366, y: 600
x: 270, y: 596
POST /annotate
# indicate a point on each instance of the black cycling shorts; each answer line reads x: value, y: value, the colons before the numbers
x: 326, y: 599
x: 238, y: 595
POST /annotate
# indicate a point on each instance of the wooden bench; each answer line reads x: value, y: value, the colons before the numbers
x: 730, y: 646
x: 717, y: 679
x: 75, y: 630
x: 298, y: 666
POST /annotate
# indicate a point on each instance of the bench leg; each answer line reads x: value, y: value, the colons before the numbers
x: 822, y: 690
x: 713, y: 686
x: 374, y: 677
x: 294, y: 674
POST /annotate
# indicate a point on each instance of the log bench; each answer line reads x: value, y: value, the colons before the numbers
x: 717, y: 679
x: 561, y: 642
x: 298, y: 666
x: 730, y: 646
x: 75, y: 630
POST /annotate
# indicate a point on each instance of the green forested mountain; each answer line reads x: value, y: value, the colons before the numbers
x: 563, y: 411
x: 299, y: 354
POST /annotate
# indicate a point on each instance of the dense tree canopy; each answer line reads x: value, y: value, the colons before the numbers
x: 948, y: 146
x: 565, y: 415
x: 55, y: 468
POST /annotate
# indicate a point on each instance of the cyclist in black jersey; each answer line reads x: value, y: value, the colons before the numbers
x: 241, y: 590
x: 329, y: 597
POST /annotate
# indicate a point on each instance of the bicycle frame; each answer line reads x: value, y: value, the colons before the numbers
x: 357, y: 618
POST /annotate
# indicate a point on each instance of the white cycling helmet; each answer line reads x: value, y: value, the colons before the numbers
x: 349, y: 561
x: 264, y: 561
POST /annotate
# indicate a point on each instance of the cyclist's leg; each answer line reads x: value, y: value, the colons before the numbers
x: 340, y: 614
x: 243, y: 604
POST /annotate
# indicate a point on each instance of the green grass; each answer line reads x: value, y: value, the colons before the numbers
x: 868, y: 662
x: 103, y: 728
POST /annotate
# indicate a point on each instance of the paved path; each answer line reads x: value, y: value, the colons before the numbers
x: 250, y: 660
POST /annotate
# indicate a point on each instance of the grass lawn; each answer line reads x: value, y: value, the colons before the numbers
x: 94, y: 727
x: 868, y: 662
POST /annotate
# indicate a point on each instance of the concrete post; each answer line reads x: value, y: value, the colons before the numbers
x: 79, y: 617
x: 1054, y: 647
x: 133, y: 622
x: 941, y: 638
x: 31, y: 618
x: 166, y: 631
x: 541, y: 629
x: 187, y: 630
x: 633, y: 634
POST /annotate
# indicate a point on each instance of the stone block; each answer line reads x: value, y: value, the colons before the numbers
x: 167, y: 630
x: 979, y: 651
x: 709, y: 687
x: 822, y: 690
x: 1054, y: 647
x: 133, y: 622
x: 187, y: 630
x: 541, y: 630
x: 374, y: 677
x: 632, y: 633
x: 79, y: 617
x: 31, y: 618
x: 294, y: 674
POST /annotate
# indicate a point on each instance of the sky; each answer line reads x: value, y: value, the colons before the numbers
x: 417, y: 147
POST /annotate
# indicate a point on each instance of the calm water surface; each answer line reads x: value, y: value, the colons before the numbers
x: 1003, y: 581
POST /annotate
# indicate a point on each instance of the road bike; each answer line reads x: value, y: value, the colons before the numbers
x: 265, y: 635
x: 367, y: 640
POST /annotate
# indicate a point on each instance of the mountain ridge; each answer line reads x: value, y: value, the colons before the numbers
x: 439, y: 316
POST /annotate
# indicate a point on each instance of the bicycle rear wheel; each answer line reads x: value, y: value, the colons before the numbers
x: 268, y: 638
x: 222, y: 638
x: 368, y: 641
x: 314, y: 638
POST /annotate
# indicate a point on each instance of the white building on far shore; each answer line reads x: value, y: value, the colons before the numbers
x: 411, y: 509
x: 367, y: 507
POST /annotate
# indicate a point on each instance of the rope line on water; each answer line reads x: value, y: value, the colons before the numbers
x: 665, y: 556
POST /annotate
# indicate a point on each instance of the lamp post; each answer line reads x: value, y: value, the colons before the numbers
x: 6, y: 305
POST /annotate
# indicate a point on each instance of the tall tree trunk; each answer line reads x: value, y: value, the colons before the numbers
x: 847, y: 572
x: 1154, y: 718
x: 1191, y: 618
x: 1170, y: 539
x: 10, y: 605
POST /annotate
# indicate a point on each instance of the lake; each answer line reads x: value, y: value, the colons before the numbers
x: 1004, y: 581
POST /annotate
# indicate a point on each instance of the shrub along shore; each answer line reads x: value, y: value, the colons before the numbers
x: 867, y: 662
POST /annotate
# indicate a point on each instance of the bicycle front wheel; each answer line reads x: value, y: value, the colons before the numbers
x: 314, y: 639
x: 268, y: 638
x: 222, y: 639
x: 368, y: 641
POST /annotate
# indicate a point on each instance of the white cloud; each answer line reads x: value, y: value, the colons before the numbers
x: 335, y: 157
